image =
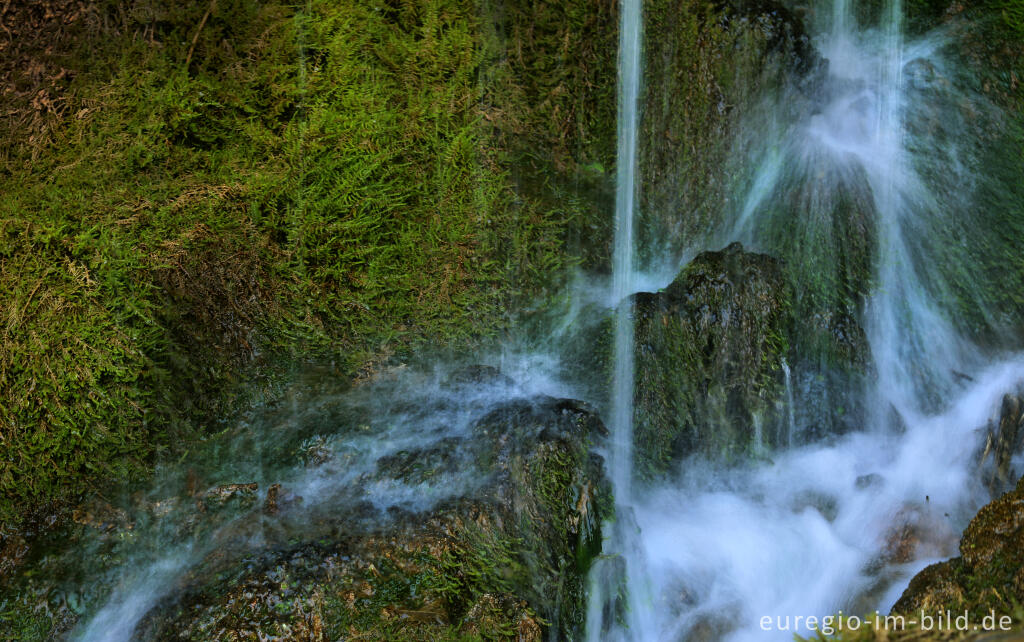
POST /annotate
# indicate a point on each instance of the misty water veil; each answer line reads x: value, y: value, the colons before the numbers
x: 854, y: 170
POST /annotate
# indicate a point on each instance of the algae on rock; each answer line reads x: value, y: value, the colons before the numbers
x: 709, y: 351
x: 503, y: 556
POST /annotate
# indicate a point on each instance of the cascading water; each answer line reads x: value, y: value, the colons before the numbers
x: 807, y: 534
x: 334, y: 449
x: 713, y: 552
x: 621, y: 540
x: 623, y: 280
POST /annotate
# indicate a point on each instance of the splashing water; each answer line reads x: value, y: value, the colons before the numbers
x: 817, y: 531
x: 711, y: 554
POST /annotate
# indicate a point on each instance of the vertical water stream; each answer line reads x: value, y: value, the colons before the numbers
x: 623, y: 257
x: 710, y: 553
x: 623, y: 584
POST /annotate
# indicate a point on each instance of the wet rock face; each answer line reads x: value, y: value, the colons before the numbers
x: 1003, y: 442
x: 711, y: 363
x: 988, y: 575
x: 934, y: 589
x: 784, y: 28
x: 709, y: 351
x: 506, y: 560
x: 702, y: 59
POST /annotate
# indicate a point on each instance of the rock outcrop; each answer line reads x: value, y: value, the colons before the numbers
x: 1002, y: 443
x: 717, y: 369
x: 709, y: 355
x: 507, y: 559
x: 988, y: 575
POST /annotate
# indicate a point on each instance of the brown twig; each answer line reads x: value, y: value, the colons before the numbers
x: 30, y: 295
x: 195, y: 38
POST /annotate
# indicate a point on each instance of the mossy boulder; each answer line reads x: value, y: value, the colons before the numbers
x: 719, y: 369
x: 988, y: 575
x: 709, y: 354
x: 507, y: 559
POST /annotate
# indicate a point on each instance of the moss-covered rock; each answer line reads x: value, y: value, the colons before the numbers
x: 717, y: 368
x: 507, y: 560
x: 988, y: 575
x: 970, y: 109
x: 709, y: 352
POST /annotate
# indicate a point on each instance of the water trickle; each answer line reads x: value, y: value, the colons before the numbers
x: 790, y: 409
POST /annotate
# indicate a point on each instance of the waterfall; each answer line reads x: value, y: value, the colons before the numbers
x: 790, y: 528
x: 623, y: 269
x: 623, y: 538
x: 805, y: 534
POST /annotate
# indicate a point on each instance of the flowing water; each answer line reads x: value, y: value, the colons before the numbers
x: 713, y: 551
x: 623, y: 532
x: 752, y: 551
x: 334, y: 450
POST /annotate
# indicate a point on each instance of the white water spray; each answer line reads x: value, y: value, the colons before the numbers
x: 814, y: 532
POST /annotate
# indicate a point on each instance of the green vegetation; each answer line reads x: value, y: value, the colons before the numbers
x: 708, y: 360
x: 978, y: 142
x: 704, y: 64
x: 196, y: 194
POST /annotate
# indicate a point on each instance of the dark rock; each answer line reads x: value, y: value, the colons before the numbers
x: 1003, y: 442
x: 709, y: 354
x: 507, y: 559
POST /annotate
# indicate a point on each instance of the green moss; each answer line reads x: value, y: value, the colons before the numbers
x: 708, y: 363
x: 979, y: 271
x: 704, y: 63
x: 550, y: 105
x: 323, y: 179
